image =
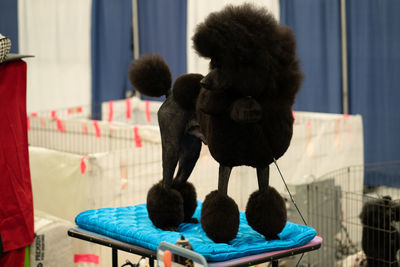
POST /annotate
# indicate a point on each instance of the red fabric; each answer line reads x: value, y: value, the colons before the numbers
x: 14, y: 258
x: 16, y: 206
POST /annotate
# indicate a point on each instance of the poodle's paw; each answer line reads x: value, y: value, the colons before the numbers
x: 266, y: 213
x: 220, y: 217
x: 165, y: 207
x: 189, y: 196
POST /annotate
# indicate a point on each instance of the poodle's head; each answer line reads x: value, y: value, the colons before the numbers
x: 250, y: 53
x: 380, y: 213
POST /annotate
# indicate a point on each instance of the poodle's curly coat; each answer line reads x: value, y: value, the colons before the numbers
x: 242, y: 109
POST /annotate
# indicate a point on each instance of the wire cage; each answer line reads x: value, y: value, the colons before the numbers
x: 357, y: 212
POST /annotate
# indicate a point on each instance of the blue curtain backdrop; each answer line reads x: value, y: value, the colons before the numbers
x: 162, y: 30
x: 9, y: 22
x: 316, y: 25
x: 374, y: 74
x: 111, y: 50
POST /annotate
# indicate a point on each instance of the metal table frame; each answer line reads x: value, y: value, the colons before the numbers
x: 115, y: 245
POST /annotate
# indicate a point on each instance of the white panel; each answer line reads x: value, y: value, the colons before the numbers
x: 57, y: 33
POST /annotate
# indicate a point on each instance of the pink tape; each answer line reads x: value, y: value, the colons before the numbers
x: 128, y: 108
x: 136, y: 136
x: 42, y: 122
x: 74, y: 110
x: 96, y: 129
x: 346, y: 116
x: 53, y: 114
x: 147, y: 110
x: 89, y: 258
x: 34, y: 114
x: 294, y: 116
x: 83, y: 164
x: 60, y: 126
x: 110, y: 111
x: 84, y: 128
x: 124, y: 174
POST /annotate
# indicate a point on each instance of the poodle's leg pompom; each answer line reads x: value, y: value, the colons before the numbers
x: 165, y: 207
x: 189, y: 196
x: 220, y: 217
x: 266, y: 213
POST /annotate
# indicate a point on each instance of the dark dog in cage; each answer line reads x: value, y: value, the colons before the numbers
x: 380, y: 239
x: 242, y: 109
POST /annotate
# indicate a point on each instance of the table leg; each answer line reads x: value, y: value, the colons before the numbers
x: 275, y: 263
x: 151, y: 262
x: 114, y: 257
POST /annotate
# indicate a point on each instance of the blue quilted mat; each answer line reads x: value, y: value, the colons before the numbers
x: 132, y: 225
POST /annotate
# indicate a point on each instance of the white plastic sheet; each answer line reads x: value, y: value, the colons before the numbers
x: 51, y: 247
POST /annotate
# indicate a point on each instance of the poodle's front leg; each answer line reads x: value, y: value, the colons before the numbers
x: 263, y: 178
x: 164, y: 203
x: 223, y: 179
x: 189, y: 154
x: 220, y: 214
x: 266, y: 209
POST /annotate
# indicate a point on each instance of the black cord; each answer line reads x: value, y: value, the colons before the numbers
x: 301, y: 257
x: 290, y: 194
x: 294, y: 203
x: 128, y: 263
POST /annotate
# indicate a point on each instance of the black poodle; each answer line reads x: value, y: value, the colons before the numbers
x: 380, y: 239
x: 242, y: 109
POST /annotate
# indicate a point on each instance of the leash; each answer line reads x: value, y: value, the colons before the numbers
x: 294, y: 203
x: 290, y: 194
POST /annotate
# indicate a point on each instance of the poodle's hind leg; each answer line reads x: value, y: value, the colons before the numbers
x: 164, y: 203
x: 220, y: 214
x: 266, y: 209
x: 189, y: 154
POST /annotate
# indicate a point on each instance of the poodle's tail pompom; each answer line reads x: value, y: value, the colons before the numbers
x: 150, y: 75
x: 246, y: 110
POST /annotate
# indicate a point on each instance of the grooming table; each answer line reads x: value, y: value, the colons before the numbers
x: 130, y: 229
x: 115, y: 245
